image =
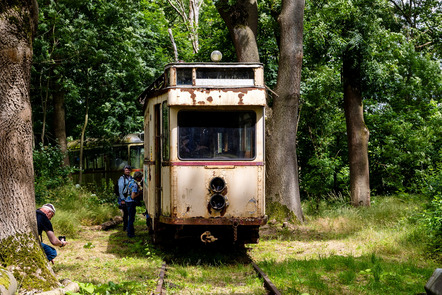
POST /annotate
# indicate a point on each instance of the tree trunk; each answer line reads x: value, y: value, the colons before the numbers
x: 59, y: 122
x: 242, y: 21
x: 282, y: 183
x: 190, y: 16
x: 20, y: 249
x: 83, y: 131
x: 357, y: 134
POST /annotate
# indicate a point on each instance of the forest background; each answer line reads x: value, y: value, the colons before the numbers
x: 93, y: 58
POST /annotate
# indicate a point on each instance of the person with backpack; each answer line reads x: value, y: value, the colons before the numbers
x: 135, y: 191
x: 123, y: 193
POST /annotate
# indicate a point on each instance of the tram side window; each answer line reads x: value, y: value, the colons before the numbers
x: 136, y: 156
x: 165, y: 129
x: 94, y: 159
x: 184, y: 76
x: 74, y: 158
x: 216, y: 135
x: 222, y: 77
x: 119, y: 157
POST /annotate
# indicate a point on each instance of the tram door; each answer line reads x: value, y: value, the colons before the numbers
x: 158, y: 188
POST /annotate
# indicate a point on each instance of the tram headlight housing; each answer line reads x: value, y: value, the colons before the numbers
x: 218, y: 190
x: 217, y: 201
x: 217, y: 184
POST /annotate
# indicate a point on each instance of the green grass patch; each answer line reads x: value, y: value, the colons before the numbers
x: 340, y: 249
x: 367, y: 274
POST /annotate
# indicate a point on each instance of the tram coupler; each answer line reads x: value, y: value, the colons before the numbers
x: 207, y: 237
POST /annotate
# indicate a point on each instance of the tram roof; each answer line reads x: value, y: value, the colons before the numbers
x: 97, y: 142
x: 213, y: 65
x: 160, y: 83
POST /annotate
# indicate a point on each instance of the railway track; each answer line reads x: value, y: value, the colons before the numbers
x: 269, y: 286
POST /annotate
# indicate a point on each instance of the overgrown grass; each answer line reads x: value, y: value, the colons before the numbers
x: 338, y: 250
x: 346, y: 250
x: 77, y: 206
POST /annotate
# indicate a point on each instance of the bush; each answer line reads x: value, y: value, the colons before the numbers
x: 49, y: 171
x: 78, y: 206
x: 432, y: 215
x: 105, y: 192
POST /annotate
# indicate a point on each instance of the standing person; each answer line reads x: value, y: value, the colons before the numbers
x: 134, y: 191
x: 44, y: 216
x: 123, y: 185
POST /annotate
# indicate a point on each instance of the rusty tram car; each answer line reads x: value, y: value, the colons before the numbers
x: 204, y: 169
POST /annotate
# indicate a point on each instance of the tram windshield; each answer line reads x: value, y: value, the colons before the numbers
x: 217, y: 135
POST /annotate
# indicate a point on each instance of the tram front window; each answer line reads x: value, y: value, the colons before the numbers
x: 219, y: 135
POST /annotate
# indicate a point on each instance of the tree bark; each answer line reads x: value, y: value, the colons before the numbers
x: 20, y: 249
x: 357, y: 133
x: 83, y: 132
x: 282, y: 124
x: 242, y: 21
x: 190, y: 15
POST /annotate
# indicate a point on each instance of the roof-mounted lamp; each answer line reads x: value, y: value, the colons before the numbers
x: 216, y: 56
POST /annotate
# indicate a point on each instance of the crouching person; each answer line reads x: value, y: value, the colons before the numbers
x: 44, y: 215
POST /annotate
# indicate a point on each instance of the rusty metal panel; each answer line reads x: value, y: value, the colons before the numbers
x: 165, y: 200
x: 216, y: 97
x: 214, y: 221
x: 149, y: 154
x: 244, y: 191
x: 259, y: 77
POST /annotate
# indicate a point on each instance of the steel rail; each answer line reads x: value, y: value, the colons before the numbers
x: 269, y: 285
x: 159, y: 289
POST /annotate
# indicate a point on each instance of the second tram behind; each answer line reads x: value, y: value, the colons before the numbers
x: 204, y: 165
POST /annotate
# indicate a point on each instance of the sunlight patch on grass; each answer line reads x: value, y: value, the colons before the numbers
x: 213, y: 279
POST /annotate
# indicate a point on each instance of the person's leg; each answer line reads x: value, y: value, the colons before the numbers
x: 131, y: 210
x: 51, y: 253
x: 125, y: 216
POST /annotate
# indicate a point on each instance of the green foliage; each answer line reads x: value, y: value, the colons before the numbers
x: 103, y: 193
x: 97, y: 53
x: 432, y: 215
x: 214, y: 35
x: 401, y: 86
x: 49, y: 170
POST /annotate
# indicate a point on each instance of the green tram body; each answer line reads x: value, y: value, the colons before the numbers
x: 103, y: 160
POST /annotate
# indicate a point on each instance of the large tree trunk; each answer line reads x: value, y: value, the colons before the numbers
x: 60, y: 122
x: 242, y: 21
x: 357, y: 134
x: 20, y: 249
x: 282, y: 183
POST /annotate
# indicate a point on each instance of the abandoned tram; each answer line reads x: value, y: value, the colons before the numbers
x: 203, y: 163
